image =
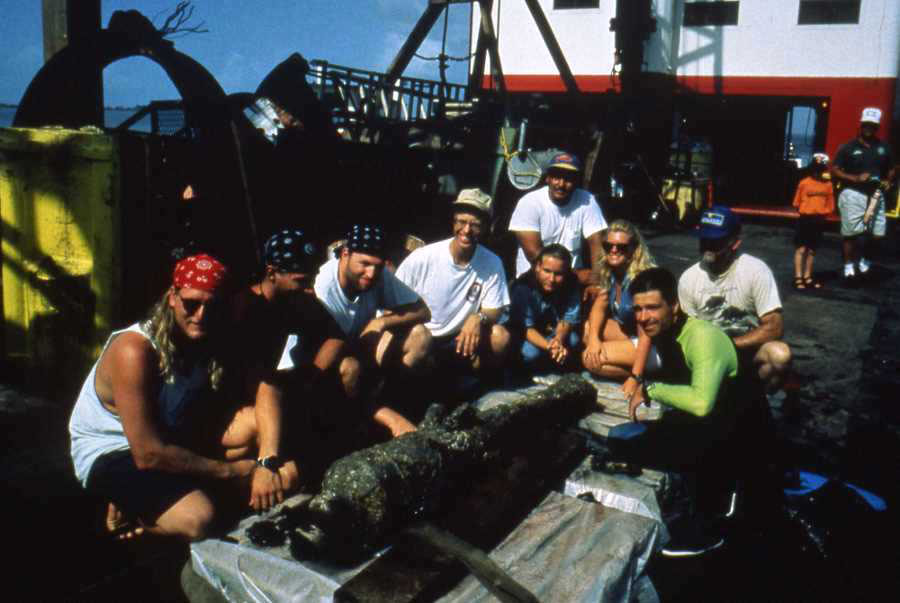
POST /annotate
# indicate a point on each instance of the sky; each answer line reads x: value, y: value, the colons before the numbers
x: 246, y: 40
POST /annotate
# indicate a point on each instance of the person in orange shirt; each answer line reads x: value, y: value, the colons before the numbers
x: 814, y: 200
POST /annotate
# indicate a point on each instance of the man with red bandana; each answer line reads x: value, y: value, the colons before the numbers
x: 149, y: 430
x: 559, y: 213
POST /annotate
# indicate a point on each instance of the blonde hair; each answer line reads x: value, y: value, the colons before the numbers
x: 641, y: 259
x: 160, y: 327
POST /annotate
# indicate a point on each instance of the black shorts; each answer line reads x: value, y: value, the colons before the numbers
x: 809, y: 231
x: 142, y: 494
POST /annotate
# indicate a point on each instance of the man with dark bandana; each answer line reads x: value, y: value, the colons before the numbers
x: 382, y: 318
x: 281, y: 309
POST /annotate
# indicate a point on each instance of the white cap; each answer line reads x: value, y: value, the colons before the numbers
x: 475, y: 198
x: 871, y: 115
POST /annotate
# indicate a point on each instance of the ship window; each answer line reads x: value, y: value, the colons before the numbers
x: 828, y: 12
x: 563, y: 4
x: 698, y: 14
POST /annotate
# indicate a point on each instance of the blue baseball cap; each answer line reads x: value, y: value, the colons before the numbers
x: 565, y: 161
x: 717, y: 222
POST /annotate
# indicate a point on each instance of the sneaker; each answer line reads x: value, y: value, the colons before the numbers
x: 694, y: 536
x: 864, y: 265
x: 849, y: 271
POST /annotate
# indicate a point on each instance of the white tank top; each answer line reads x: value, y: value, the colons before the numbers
x: 94, y: 430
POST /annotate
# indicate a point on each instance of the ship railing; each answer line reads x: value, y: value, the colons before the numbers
x: 361, y: 99
x: 166, y: 117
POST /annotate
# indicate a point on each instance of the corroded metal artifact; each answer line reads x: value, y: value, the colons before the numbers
x: 372, y: 493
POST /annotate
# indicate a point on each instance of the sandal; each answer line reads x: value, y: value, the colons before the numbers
x: 799, y: 283
x: 812, y: 283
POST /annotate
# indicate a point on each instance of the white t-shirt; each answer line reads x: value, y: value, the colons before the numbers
x: 734, y: 300
x: 568, y: 225
x: 353, y: 314
x: 453, y: 292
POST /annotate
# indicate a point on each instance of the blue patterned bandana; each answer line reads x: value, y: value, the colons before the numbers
x: 291, y: 251
x: 368, y: 239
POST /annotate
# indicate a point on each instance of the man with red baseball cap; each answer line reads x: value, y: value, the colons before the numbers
x: 142, y: 428
x: 559, y: 213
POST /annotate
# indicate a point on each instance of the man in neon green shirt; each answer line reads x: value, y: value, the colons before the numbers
x: 716, y: 428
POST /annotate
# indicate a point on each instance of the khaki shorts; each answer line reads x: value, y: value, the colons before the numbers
x: 852, y: 205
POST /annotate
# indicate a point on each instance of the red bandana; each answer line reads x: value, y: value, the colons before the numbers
x: 199, y: 271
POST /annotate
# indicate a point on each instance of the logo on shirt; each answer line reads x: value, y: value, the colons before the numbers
x: 474, y: 292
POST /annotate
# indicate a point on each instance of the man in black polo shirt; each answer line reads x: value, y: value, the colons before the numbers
x: 862, y: 165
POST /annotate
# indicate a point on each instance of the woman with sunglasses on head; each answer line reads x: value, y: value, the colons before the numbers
x: 615, y: 347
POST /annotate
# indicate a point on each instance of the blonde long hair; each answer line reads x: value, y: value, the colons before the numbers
x: 641, y: 259
x: 160, y: 327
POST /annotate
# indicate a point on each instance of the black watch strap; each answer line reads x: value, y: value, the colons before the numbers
x: 272, y: 462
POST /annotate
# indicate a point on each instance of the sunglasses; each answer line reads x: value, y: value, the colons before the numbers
x: 715, y: 245
x: 609, y: 247
x: 191, y: 306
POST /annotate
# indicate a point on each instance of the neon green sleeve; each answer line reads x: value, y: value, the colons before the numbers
x: 710, y: 357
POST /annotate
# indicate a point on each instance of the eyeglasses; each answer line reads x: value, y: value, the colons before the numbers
x: 623, y: 247
x: 472, y: 224
x: 191, y: 306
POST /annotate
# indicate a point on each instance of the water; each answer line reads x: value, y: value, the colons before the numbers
x: 112, y: 117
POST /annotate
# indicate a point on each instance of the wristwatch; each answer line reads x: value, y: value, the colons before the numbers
x: 638, y: 378
x: 272, y: 462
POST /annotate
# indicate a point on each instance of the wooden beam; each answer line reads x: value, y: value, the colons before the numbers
x: 412, y: 43
x: 70, y: 22
x: 487, y: 30
x: 53, y: 14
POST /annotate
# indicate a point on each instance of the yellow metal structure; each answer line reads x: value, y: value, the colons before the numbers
x: 689, y: 197
x: 59, y: 201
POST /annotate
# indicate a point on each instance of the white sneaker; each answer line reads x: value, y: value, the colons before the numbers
x: 864, y: 265
x: 849, y: 271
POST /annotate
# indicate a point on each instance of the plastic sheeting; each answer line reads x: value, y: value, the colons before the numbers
x: 571, y: 550
x: 243, y: 572
x: 636, y: 495
x: 565, y: 550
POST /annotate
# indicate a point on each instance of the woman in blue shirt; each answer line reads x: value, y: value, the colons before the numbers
x: 615, y: 347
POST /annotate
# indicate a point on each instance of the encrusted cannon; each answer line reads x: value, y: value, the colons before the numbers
x: 372, y: 493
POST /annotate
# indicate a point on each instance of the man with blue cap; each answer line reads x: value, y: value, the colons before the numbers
x: 737, y: 292
x: 559, y: 212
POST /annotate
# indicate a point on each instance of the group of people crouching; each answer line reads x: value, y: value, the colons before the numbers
x: 225, y: 393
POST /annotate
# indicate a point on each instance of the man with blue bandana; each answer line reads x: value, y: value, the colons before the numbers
x: 382, y: 318
x: 278, y: 309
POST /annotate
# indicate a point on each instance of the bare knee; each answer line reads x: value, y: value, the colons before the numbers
x: 190, y: 518
x: 349, y: 371
x: 416, y: 346
x: 241, y: 434
x: 776, y: 354
x: 500, y: 339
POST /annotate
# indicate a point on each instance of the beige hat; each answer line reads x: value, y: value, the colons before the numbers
x: 476, y: 198
x: 871, y: 115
